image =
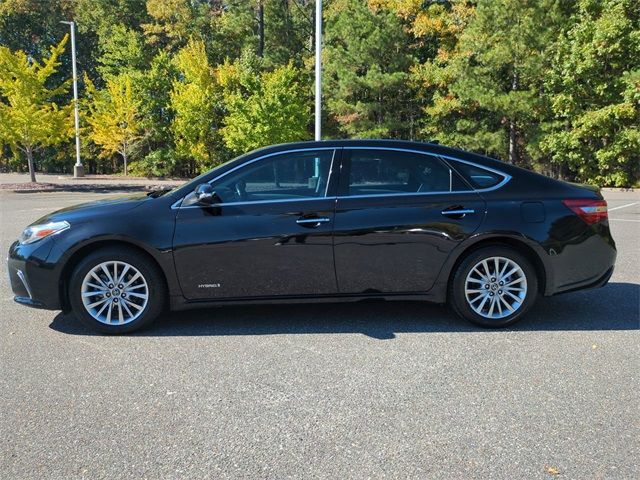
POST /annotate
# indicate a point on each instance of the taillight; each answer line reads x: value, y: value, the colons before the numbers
x: 591, y: 211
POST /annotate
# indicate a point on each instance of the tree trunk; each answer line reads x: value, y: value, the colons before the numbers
x: 513, y: 148
x: 260, y: 28
x: 512, y: 141
x: 124, y: 157
x: 32, y: 170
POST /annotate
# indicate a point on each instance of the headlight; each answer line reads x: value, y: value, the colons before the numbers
x: 38, y: 232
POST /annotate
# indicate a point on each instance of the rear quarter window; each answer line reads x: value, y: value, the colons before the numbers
x: 478, y: 177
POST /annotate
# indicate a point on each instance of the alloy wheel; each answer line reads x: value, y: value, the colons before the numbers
x: 496, y: 287
x: 114, y: 293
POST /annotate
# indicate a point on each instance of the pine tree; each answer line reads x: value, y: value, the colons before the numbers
x: 485, y: 80
x: 366, y: 71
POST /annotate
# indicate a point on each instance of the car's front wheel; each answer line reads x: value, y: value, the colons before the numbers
x: 116, y: 290
x: 493, y: 287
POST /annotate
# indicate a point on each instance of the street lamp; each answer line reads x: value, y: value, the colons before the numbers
x: 78, y: 169
x: 318, y: 119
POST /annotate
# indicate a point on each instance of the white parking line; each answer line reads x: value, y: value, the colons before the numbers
x: 624, y: 220
x: 624, y: 206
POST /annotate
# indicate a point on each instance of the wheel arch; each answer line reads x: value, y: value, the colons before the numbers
x: 82, y: 251
x: 515, y: 242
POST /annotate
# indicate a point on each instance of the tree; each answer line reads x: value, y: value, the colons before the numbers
x: 122, y: 52
x: 233, y: 31
x: 29, y: 117
x: 174, y: 22
x: 263, y: 109
x: 154, y: 86
x: 277, y: 30
x: 113, y: 118
x: 195, y: 101
x: 485, y: 80
x: 289, y: 31
x: 594, y: 86
x: 366, y: 64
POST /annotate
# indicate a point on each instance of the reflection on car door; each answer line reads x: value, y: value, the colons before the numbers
x: 271, y: 235
x: 398, y: 216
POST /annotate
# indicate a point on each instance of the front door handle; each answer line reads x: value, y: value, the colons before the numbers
x: 312, y: 221
x: 458, y: 212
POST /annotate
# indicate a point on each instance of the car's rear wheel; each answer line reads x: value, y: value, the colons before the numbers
x: 493, y: 287
x: 116, y: 290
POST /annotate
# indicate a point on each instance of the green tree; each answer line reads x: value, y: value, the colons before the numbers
x: 154, y: 86
x: 366, y: 64
x: 109, y: 35
x: 99, y: 16
x: 485, y: 82
x: 263, y: 109
x: 594, y: 84
x: 288, y: 31
x: 173, y: 22
x: 277, y: 30
x: 122, y: 52
x: 195, y: 101
x: 233, y: 30
x: 29, y: 117
x: 114, y: 118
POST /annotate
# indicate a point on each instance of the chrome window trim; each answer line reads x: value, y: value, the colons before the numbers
x: 256, y: 202
x: 402, y: 194
x: 505, y: 177
x: 176, y: 205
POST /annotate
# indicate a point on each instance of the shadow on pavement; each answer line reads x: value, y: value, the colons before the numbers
x: 614, y: 307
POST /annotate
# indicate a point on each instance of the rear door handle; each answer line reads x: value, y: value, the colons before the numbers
x: 458, y: 212
x: 312, y: 221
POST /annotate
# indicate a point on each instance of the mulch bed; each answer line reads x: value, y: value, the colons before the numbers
x: 27, y: 186
x: 31, y: 187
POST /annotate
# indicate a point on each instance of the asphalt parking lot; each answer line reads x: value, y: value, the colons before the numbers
x: 366, y: 390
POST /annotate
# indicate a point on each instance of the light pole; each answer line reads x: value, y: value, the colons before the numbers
x: 78, y: 169
x: 318, y: 125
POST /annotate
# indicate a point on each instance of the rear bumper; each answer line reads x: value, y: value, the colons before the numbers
x: 579, y: 257
x: 34, y: 282
x: 589, y: 284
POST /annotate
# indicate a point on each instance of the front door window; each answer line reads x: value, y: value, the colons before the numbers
x: 285, y: 176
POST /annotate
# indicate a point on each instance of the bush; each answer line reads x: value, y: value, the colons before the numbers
x: 159, y: 163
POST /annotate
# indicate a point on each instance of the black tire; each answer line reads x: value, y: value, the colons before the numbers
x: 147, y: 268
x: 457, y: 297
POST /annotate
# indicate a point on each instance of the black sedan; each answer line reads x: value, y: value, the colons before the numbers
x: 321, y: 221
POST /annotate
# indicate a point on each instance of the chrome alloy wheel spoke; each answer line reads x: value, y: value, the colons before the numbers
x: 114, y: 293
x: 495, y: 287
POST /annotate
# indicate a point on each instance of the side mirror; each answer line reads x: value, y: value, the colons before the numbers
x: 205, y: 194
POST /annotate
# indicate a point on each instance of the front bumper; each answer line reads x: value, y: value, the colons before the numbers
x: 34, y: 282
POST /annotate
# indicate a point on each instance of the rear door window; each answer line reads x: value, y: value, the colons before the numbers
x: 392, y: 172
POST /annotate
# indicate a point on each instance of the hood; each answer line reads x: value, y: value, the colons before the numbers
x: 92, y: 210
